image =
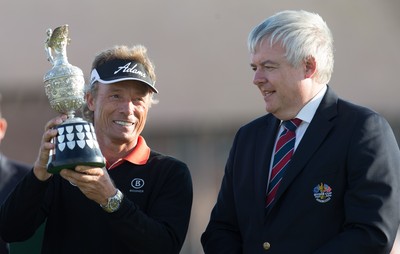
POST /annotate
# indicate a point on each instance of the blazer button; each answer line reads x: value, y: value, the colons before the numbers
x: 266, y: 246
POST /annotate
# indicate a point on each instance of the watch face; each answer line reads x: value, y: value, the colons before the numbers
x: 114, y: 203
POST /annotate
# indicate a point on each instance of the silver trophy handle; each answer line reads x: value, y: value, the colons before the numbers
x: 47, y: 47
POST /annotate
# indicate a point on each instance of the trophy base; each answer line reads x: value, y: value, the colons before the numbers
x: 75, y: 144
x: 55, y: 168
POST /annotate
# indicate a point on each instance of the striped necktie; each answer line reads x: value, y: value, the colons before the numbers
x: 283, y: 153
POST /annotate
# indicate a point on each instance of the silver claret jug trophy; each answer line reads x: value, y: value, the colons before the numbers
x: 76, y: 142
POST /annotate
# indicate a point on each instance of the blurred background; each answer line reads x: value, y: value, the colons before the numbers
x: 202, y: 65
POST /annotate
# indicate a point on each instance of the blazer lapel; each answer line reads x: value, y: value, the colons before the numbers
x: 319, y: 127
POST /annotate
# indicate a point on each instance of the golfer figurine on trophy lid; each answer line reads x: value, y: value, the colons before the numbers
x: 76, y: 142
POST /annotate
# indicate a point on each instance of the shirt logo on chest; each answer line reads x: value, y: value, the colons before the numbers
x: 137, y: 185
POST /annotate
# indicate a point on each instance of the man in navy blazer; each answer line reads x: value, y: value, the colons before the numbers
x: 11, y: 172
x: 340, y: 191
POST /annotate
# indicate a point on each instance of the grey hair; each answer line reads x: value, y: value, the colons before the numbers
x: 303, y: 35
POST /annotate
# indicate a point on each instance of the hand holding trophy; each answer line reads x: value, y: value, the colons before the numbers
x: 76, y: 142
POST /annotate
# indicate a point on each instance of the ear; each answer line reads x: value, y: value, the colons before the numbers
x: 90, y: 101
x: 3, y: 128
x: 310, y: 67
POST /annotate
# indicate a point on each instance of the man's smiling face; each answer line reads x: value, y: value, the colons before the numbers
x: 120, y: 111
x: 282, y: 85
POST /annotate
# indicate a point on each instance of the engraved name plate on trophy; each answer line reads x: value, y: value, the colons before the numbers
x: 76, y: 143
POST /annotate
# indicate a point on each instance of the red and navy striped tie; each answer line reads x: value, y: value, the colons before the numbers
x: 283, y: 153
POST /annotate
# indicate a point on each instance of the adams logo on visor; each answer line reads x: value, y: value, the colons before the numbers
x: 119, y: 70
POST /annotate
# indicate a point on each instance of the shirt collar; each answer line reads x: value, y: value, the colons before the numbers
x: 308, y: 111
x: 139, y: 155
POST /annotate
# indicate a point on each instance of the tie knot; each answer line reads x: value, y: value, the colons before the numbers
x: 292, y: 124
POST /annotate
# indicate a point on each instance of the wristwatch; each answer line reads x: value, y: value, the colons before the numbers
x: 113, y: 202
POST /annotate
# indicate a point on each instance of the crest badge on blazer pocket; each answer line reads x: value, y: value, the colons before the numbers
x: 322, y: 192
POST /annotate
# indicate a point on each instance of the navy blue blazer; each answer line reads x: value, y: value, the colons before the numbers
x: 340, y: 193
x: 11, y: 172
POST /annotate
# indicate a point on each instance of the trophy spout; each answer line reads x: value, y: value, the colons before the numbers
x: 56, y: 45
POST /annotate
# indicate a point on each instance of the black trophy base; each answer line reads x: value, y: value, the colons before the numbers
x: 56, y: 166
x: 75, y: 144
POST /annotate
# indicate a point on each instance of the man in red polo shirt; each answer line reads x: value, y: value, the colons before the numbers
x: 139, y: 203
